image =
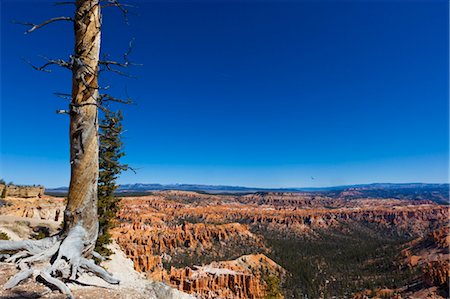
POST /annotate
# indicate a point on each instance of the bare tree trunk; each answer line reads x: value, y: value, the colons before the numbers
x: 68, y: 254
x: 82, y: 199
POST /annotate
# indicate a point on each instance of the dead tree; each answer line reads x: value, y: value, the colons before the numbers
x: 63, y: 257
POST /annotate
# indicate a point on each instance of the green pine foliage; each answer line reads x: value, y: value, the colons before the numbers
x: 273, y: 284
x: 4, y: 236
x: 110, y: 153
x: 337, y: 262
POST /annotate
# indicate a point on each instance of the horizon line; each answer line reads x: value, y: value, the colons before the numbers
x: 274, y: 188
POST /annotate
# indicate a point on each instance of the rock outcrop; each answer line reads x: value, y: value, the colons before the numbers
x: 21, y: 191
x: 241, y: 278
x: 45, y: 208
x: 431, y: 255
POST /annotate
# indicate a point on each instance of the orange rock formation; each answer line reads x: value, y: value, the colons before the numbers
x: 431, y: 254
x: 154, y: 231
x: 46, y: 208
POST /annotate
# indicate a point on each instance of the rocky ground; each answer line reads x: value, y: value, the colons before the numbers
x: 133, y: 284
x: 23, y: 218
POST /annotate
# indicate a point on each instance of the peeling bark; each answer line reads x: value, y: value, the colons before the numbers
x: 82, y: 198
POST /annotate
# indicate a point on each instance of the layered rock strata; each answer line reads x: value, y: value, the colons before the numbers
x: 21, y: 191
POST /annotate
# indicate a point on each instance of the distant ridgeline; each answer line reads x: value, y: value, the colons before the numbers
x: 21, y: 191
x: 438, y: 193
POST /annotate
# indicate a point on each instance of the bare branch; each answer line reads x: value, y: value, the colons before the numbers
x: 127, y: 53
x: 59, y: 62
x: 65, y: 96
x: 109, y: 98
x: 121, y: 6
x: 59, y: 111
x: 103, y: 108
x: 114, y: 70
x: 64, y: 3
x: 49, y: 21
x: 108, y: 64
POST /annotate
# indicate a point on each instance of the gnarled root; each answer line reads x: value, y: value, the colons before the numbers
x: 61, y: 259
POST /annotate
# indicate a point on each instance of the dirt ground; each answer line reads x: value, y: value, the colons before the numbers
x: 31, y: 289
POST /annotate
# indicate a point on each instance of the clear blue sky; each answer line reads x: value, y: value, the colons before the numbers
x: 265, y: 94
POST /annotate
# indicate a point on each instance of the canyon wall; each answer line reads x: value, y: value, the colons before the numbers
x: 194, y: 241
x: 162, y: 250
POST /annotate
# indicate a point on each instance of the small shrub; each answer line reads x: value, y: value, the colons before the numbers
x: 4, y: 236
x: 40, y: 232
x: 272, y: 287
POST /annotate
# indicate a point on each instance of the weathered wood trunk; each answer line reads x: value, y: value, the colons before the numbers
x: 68, y: 254
x: 81, y: 207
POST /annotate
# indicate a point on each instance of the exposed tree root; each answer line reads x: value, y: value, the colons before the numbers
x: 54, y: 259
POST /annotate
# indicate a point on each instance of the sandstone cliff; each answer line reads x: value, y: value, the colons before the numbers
x: 45, y: 208
x: 242, y: 278
x: 21, y: 191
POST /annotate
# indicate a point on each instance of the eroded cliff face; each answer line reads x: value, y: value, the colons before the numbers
x: 296, y: 218
x: 182, y: 237
x: 168, y: 251
x: 244, y: 277
x: 21, y: 191
x: 46, y: 208
x: 431, y: 255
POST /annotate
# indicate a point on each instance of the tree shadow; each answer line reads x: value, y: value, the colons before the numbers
x: 20, y: 294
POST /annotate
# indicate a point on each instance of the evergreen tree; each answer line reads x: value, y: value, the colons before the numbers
x: 110, y: 152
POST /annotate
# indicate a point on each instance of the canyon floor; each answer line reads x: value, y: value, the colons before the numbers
x: 261, y: 245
